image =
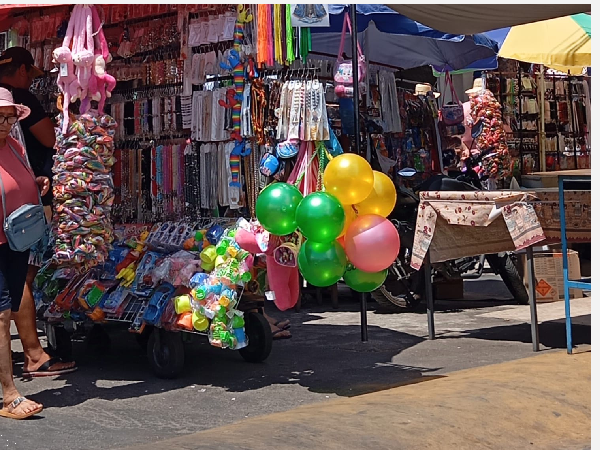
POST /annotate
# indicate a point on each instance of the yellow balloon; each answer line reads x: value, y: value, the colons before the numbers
x: 350, y: 215
x: 381, y: 200
x: 349, y: 178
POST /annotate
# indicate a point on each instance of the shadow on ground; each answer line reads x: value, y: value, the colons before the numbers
x: 322, y: 358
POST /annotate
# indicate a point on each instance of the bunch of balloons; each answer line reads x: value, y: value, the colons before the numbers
x: 345, y: 227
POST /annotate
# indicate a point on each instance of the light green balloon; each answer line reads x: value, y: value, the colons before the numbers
x: 364, y: 281
x: 320, y: 217
x: 276, y: 208
x: 322, y: 264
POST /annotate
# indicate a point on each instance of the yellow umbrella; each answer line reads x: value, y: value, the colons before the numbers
x: 562, y: 44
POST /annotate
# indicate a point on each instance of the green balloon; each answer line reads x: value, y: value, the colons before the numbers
x: 322, y: 264
x: 276, y: 208
x: 364, y: 281
x: 320, y: 217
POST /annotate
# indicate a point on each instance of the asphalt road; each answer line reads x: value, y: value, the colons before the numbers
x: 114, y: 401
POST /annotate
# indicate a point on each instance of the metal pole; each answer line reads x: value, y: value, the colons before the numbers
x: 356, y: 98
x: 429, y: 296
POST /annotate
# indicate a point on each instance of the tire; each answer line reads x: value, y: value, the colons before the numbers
x: 98, y: 340
x: 391, y: 296
x: 504, y: 266
x: 165, y: 354
x: 260, y: 338
x: 143, y: 338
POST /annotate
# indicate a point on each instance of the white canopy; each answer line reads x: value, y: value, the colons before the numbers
x: 477, y: 18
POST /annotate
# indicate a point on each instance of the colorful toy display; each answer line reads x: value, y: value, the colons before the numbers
x: 170, y: 290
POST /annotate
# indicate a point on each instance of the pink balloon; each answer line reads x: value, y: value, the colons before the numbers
x: 372, y: 243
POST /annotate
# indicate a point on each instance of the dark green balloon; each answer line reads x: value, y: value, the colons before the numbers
x: 320, y: 217
x: 322, y: 264
x: 276, y: 208
x: 364, y: 281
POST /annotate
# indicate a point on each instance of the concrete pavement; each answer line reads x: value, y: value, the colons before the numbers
x: 540, y: 402
x: 114, y: 400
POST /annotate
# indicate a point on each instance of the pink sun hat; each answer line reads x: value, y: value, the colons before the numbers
x: 6, y: 99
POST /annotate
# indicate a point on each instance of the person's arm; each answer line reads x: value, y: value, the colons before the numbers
x: 44, y: 132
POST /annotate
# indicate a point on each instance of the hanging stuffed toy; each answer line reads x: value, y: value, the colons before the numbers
x: 83, y: 49
x: 235, y: 65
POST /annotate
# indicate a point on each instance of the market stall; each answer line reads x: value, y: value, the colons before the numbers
x: 191, y: 91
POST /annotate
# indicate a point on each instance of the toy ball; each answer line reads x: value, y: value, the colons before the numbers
x: 322, y: 264
x: 320, y: 217
x: 382, y: 199
x: 372, y: 243
x: 182, y: 304
x: 276, y: 208
x: 349, y: 178
x: 199, y: 321
x: 364, y: 281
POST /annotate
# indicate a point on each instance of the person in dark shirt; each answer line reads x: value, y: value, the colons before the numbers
x: 17, y: 72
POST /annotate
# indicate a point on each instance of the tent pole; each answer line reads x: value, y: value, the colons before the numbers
x: 356, y: 98
x: 542, y: 110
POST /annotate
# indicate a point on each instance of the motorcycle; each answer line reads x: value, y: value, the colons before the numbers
x: 404, y: 287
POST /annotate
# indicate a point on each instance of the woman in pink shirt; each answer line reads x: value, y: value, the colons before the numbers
x: 20, y: 187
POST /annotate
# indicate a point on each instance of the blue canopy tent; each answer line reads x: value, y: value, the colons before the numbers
x: 379, y: 28
x: 490, y: 63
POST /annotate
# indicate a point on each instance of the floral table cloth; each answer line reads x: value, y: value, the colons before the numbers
x: 458, y: 224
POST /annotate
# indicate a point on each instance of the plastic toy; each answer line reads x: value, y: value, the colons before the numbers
x: 158, y: 301
x: 183, y: 304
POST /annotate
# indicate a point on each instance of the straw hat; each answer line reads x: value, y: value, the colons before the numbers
x: 477, y: 86
x: 424, y: 88
x: 6, y: 99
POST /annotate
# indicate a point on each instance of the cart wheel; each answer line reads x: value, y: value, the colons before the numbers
x: 260, y: 339
x: 98, y: 340
x: 59, y: 345
x: 143, y: 337
x: 165, y: 353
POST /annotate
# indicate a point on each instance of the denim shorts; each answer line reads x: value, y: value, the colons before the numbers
x: 43, y: 250
x: 13, y: 274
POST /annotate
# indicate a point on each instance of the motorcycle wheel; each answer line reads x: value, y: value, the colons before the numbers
x: 391, y: 296
x: 504, y: 266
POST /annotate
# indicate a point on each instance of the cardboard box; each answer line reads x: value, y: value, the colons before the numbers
x: 549, y: 275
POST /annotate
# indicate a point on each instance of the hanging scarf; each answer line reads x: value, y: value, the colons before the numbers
x: 262, y: 45
x: 305, y: 43
x: 270, y: 49
x: 289, y: 34
x: 277, y: 33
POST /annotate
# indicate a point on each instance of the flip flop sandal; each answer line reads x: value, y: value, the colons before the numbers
x: 7, y: 412
x: 44, y: 370
x: 277, y: 336
x: 284, y: 327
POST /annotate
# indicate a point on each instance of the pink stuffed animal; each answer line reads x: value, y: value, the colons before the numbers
x: 67, y: 81
x: 106, y: 82
x: 83, y: 48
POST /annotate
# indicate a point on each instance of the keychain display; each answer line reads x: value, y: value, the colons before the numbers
x: 83, y: 191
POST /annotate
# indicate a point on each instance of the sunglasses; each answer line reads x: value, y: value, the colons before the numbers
x: 10, y: 119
